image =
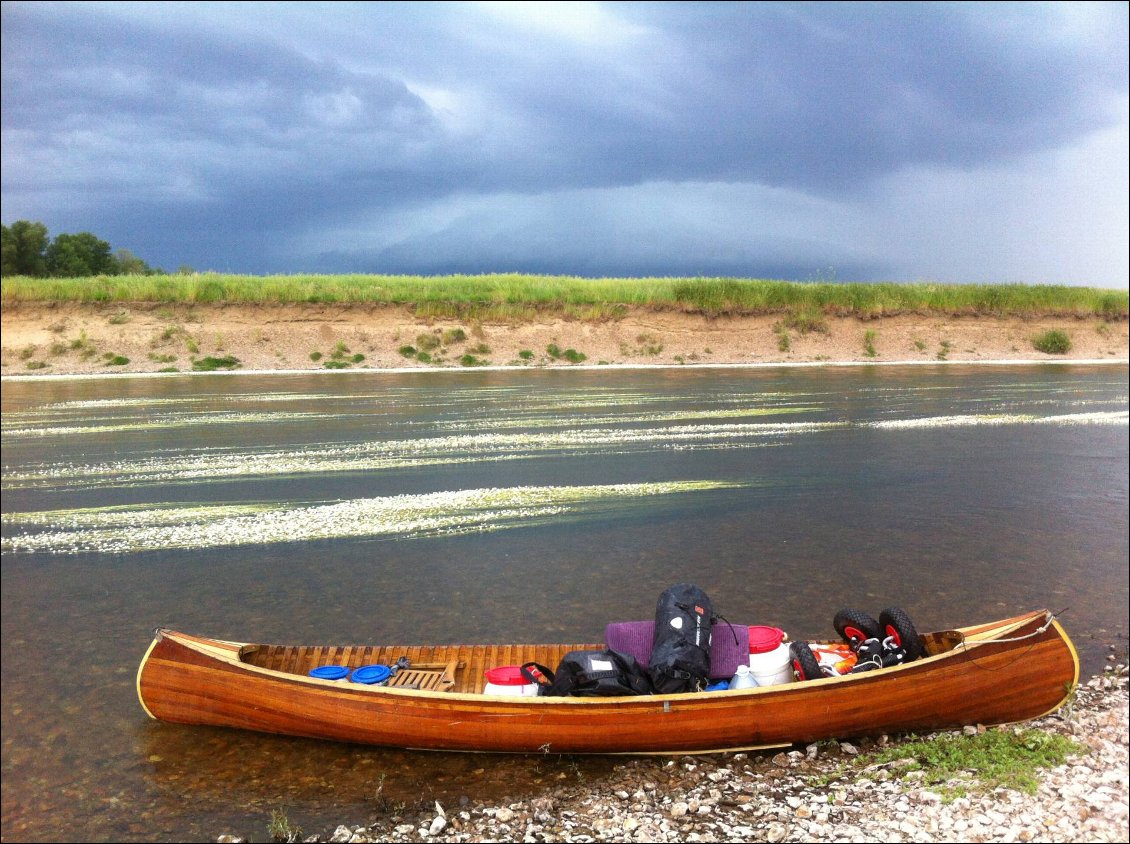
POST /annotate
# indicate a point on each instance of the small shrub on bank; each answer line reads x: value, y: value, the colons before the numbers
x: 406, y: 351
x: 869, y: 337
x: 427, y: 342
x: 784, y: 342
x: 649, y: 344
x: 211, y: 364
x: 1052, y: 342
x: 571, y: 355
x: 115, y: 360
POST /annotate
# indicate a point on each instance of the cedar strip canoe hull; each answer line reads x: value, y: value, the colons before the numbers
x: 191, y: 680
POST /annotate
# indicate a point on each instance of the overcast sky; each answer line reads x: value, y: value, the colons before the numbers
x: 956, y: 143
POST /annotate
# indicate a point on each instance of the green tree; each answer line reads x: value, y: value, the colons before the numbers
x: 78, y: 255
x: 130, y: 264
x: 23, y: 248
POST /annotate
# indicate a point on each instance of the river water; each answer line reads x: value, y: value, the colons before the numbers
x: 501, y: 506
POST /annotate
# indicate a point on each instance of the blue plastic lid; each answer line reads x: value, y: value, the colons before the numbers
x: 371, y: 674
x: 329, y: 672
x: 719, y: 686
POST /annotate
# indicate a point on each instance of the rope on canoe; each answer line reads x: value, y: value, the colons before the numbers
x: 1049, y: 617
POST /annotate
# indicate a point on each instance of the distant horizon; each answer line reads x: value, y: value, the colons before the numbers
x: 809, y: 281
x: 925, y: 143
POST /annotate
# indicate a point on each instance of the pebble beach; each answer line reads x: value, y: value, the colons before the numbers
x: 822, y: 792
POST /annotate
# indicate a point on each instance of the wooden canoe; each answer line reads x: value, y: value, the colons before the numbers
x: 1007, y: 671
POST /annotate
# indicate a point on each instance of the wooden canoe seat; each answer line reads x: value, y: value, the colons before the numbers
x: 427, y: 676
x: 942, y: 642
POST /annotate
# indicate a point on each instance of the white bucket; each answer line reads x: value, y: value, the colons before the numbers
x: 524, y: 690
x: 508, y: 680
x: 772, y: 667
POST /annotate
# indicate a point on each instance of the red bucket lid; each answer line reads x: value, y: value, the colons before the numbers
x: 763, y: 639
x: 506, y: 675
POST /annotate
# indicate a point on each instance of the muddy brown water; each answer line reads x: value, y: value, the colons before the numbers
x: 501, y: 506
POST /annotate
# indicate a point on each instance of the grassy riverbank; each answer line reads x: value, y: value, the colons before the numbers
x: 192, y: 322
x: 514, y: 297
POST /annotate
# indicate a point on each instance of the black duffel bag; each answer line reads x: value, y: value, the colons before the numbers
x: 604, y: 673
x: 680, y: 652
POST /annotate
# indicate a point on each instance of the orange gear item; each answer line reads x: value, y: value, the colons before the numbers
x: 839, y: 657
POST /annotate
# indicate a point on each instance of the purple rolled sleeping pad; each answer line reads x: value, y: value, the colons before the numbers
x: 635, y: 638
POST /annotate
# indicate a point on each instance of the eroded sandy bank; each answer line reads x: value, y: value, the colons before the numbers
x: 67, y: 339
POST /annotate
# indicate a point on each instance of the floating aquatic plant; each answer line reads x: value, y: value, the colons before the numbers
x: 120, y: 530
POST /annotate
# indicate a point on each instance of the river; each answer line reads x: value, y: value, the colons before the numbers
x: 486, y: 506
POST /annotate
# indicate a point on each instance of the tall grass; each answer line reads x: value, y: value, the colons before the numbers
x: 518, y: 297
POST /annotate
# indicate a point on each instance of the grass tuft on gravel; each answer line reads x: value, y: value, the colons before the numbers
x: 954, y: 764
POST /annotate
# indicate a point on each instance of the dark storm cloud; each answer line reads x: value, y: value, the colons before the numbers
x: 221, y: 135
x: 800, y: 96
x: 171, y: 94
x: 831, y: 96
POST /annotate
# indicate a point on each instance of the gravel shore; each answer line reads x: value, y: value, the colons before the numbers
x: 818, y: 793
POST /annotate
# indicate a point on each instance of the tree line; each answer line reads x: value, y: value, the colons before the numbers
x: 27, y: 250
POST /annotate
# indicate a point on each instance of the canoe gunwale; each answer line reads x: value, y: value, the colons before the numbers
x: 970, y: 642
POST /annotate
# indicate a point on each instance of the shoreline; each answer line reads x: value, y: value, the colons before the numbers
x: 68, y: 339
x: 448, y: 370
x: 812, y: 793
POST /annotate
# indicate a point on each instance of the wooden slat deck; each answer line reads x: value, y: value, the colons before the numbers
x: 456, y: 668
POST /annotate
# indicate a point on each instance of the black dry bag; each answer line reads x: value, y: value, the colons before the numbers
x: 597, y: 674
x: 680, y: 652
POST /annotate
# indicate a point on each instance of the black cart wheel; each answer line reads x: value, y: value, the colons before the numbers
x: 805, y: 664
x: 856, y: 627
x: 897, y: 624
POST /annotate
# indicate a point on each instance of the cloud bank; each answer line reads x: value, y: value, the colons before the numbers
x: 964, y: 143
